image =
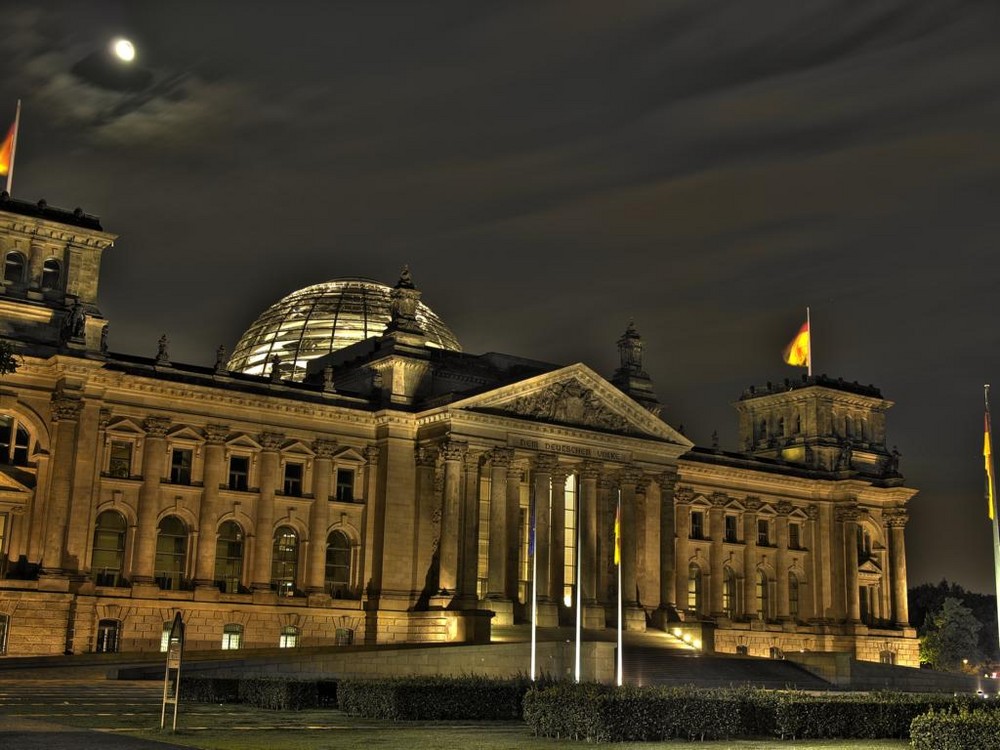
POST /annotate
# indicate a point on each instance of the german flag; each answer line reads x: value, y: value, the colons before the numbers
x: 797, y: 353
x: 988, y: 457
x: 7, y: 151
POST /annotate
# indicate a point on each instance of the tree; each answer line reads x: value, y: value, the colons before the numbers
x: 928, y: 597
x: 8, y: 359
x: 951, y: 638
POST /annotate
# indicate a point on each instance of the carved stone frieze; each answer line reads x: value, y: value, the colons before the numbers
x: 570, y: 402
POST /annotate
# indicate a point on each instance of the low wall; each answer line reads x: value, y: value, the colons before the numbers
x: 849, y: 673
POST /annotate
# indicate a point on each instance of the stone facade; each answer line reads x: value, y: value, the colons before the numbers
x: 387, y: 495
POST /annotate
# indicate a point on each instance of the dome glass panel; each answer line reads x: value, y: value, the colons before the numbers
x: 321, y: 319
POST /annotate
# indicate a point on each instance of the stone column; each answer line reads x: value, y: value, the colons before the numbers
x: 65, y: 415
x: 263, y: 542
x: 448, y: 547
x: 781, y: 559
x: 588, y: 532
x: 557, y: 553
x: 208, y: 516
x: 683, y: 526
x: 319, y: 515
x: 716, y: 532
x: 815, y: 573
x: 896, y: 519
x: 750, y: 557
x: 372, y: 522
x: 428, y: 491
x: 514, y: 528
x: 607, y: 494
x: 848, y: 519
x: 668, y: 542
x: 153, y: 459
x: 542, y: 475
x: 496, y: 586
x: 629, y: 479
x: 470, y: 538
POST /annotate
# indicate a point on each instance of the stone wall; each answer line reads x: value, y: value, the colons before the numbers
x: 37, y: 621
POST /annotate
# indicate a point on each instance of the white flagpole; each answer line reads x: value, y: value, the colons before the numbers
x: 809, y: 359
x: 534, y: 587
x: 13, y: 148
x: 618, y: 541
x: 577, y: 593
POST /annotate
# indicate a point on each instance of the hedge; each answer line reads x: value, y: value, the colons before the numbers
x: 433, y: 698
x: 964, y: 730
x: 598, y: 713
x: 270, y: 693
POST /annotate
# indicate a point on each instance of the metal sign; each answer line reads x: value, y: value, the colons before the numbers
x: 172, y: 677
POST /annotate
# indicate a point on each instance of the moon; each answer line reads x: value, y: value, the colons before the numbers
x: 124, y: 50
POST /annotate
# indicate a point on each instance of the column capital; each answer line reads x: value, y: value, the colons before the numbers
x: 590, y: 470
x: 783, y: 508
x: 156, y: 427
x: 683, y: 495
x: 604, y: 482
x: 454, y: 450
x: 66, y: 407
x: 630, y: 475
x: 752, y: 503
x: 895, y: 518
x: 514, y: 472
x: 372, y: 453
x: 216, y: 433
x: 667, y: 479
x: 559, y: 474
x: 545, y: 462
x: 502, y: 458
x: 851, y: 514
x: 324, y: 448
x: 426, y: 456
x: 812, y: 512
x: 719, y: 500
x: 104, y: 416
x: 271, y: 441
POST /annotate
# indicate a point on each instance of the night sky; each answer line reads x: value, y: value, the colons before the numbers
x: 551, y: 171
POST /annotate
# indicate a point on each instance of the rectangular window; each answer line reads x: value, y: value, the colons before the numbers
x: 569, y: 556
x: 239, y: 473
x: 794, y: 536
x: 180, y: 465
x: 345, y: 485
x: 293, y: 479
x: 697, y: 524
x: 232, y: 637
x: 730, y: 528
x: 3, y: 543
x: 120, y: 463
x: 763, y: 532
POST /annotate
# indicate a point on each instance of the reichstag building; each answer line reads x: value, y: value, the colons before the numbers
x: 351, y: 475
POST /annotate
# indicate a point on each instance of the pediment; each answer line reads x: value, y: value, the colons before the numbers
x: 297, y: 448
x: 125, y: 426
x: 15, y: 481
x: 869, y: 567
x: 186, y: 434
x: 242, y: 440
x: 349, y: 454
x: 575, y: 396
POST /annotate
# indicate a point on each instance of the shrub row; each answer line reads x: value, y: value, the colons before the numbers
x: 599, y: 713
x: 961, y: 730
x: 260, y: 692
x: 433, y: 698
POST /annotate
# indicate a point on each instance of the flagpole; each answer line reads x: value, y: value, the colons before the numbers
x: 578, y: 592
x: 620, y: 671
x: 992, y: 489
x: 809, y: 358
x: 534, y: 590
x: 13, y: 148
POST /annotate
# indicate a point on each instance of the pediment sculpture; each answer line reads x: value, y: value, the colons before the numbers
x: 569, y: 402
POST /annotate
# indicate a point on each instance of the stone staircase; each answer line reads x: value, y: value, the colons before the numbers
x: 644, y: 665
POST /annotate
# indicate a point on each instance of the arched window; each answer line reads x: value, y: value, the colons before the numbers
x: 285, y: 560
x: 232, y: 636
x: 793, y: 596
x: 4, y: 629
x: 729, y: 592
x: 338, y: 564
x: 229, y: 558
x: 694, y: 588
x: 109, y: 548
x: 289, y: 637
x: 171, y: 553
x: 762, y: 612
x: 50, y: 274
x: 15, y: 441
x: 13, y: 268
x: 108, y: 636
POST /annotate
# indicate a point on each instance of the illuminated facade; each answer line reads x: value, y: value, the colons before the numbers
x: 375, y: 484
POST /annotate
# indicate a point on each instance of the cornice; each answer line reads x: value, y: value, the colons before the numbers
x: 54, y: 231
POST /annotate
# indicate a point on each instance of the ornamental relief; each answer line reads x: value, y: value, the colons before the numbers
x: 568, y: 402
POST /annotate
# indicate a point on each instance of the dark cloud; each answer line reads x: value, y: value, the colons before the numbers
x: 551, y: 170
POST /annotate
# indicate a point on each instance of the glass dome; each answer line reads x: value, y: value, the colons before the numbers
x: 321, y: 319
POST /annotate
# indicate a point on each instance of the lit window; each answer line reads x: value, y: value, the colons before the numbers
x: 229, y: 558
x: 50, y: 274
x: 345, y: 485
x: 232, y: 637
x: 293, y: 479
x: 109, y: 548
x: 239, y: 473
x: 289, y: 637
x: 108, y: 635
x: 729, y: 592
x: 569, y: 557
x: 120, y: 460
x: 284, y: 561
x: 694, y: 588
x: 338, y: 564
x: 180, y: 465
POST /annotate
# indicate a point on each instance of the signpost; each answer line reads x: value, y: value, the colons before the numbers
x: 172, y: 677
